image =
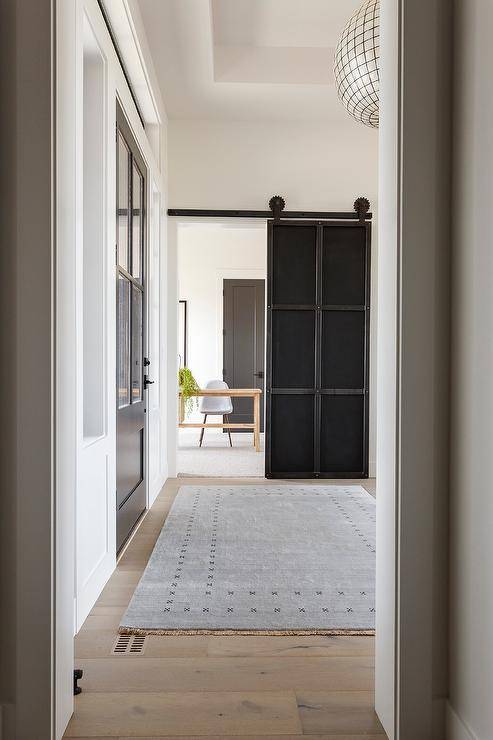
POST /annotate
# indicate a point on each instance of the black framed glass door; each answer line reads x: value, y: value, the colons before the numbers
x: 130, y: 331
x: 318, y: 328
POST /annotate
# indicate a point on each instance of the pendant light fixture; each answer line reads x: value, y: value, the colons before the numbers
x: 356, y: 65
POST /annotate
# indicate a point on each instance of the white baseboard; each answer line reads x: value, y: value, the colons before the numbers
x: 156, y: 487
x: 456, y: 727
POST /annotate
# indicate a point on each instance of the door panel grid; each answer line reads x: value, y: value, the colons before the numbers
x: 317, y: 349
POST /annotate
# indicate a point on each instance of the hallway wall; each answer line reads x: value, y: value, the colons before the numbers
x: 84, y: 508
x: 471, y: 544
x: 241, y: 164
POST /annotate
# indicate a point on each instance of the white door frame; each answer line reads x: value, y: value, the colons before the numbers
x: 412, y: 456
x: 413, y: 367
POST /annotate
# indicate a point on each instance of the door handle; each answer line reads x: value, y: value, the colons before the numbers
x: 259, y: 374
x: 147, y: 382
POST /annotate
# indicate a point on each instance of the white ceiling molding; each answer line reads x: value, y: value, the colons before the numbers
x: 283, y: 23
x: 267, y: 60
x: 273, y: 64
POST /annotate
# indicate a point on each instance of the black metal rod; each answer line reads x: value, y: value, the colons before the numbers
x: 322, y: 215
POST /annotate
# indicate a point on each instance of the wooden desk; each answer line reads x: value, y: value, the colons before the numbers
x: 254, y: 393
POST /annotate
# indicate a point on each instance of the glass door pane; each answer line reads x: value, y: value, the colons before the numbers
x: 123, y: 202
x: 137, y: 200
x: 123, y: 341
x: 136, y: 344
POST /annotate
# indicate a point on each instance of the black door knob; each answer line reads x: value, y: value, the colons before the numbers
x: 147, y: 382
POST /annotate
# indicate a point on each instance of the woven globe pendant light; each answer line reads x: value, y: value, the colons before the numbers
x: 356, y: 64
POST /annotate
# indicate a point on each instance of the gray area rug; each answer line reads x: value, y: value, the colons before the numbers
x: 288, y: 559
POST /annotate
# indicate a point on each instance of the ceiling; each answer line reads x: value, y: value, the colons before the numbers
x: 247, y: 59
x: 299, y: 23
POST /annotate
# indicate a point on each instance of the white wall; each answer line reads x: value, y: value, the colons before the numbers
x: 471, y: 543
x: 227, y: 164
x: 95, y: 299
x: 208, y: 254
x: 99, y: 83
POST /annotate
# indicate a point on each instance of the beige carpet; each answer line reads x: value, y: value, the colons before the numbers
x: 216, y: 457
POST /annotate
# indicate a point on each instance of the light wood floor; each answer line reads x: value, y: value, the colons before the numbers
x: 216, y: 686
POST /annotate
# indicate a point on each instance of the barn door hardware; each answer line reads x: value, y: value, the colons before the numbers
x: 362, y: 206
x: 276, y: 205
x: 277, y: 211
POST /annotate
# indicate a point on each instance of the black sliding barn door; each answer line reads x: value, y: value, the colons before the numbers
x: 318, y: 311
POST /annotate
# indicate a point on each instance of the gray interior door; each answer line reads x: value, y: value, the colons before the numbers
x: 130, y: 333
x: 243, y: 347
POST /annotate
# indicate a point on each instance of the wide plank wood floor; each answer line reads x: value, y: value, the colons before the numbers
x: 216, y: 686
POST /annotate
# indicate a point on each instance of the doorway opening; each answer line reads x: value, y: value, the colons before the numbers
x: 312, y: 305
x: 270, y: 581
x: 413, y: 424
x: 222, y: 270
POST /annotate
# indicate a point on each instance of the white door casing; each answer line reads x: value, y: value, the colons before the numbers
x: 156, y: 346
x: 387, y: 393
x: 413, y: 368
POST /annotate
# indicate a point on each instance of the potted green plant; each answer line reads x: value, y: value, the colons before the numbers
x: 188, y: 385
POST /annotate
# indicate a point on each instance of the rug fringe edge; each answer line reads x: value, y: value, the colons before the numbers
x: 219, y: 632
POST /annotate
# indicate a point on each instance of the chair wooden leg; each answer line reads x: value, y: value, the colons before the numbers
x: 229, y: 430
x: 202, y: 431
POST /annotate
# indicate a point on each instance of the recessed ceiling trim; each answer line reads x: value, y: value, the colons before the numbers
x: 293, y: 23
x: 184, y: 36
x: 273, y: 65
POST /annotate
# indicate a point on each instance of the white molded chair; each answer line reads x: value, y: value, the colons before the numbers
x: 215, y: 406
